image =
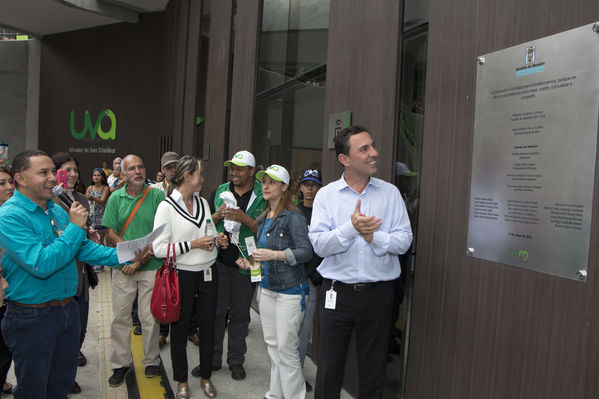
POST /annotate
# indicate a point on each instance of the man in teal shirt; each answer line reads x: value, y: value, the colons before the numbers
x: 134, y: 279
x: 41, y: 326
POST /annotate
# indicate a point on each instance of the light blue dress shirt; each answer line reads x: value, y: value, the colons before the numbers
x: 347, y: 256
x: 39, y: 262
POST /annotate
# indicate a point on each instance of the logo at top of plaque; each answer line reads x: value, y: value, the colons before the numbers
x: 530, y: 55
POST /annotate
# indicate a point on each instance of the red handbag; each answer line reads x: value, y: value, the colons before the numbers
x: 166, y: 301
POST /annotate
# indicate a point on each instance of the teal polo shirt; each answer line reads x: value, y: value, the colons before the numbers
x: 119, y: 207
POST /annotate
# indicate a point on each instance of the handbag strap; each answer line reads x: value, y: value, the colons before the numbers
x: 174, y: 257
x: 132, y: 214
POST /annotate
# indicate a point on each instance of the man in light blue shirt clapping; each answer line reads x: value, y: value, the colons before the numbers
x: 359, y: 226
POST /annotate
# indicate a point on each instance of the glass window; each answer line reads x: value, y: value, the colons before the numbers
x: 415, y: 13
x: 407, y: 179
x: 289, y: 112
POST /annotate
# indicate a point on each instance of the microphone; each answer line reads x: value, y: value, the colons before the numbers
x: 59, y: 192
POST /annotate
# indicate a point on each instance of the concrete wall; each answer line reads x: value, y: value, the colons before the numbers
x: 19, y: 102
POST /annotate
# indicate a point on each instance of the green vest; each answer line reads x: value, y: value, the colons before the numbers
x: 255, y: 209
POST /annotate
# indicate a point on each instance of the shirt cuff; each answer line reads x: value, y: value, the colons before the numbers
x: 380, y: 242
x: 348, y: 231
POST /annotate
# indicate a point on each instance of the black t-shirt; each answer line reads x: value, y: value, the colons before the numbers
x: 230, y: 255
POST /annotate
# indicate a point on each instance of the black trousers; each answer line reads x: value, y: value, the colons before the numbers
x: 202, y: 294
x: 235, y: 292
x: 369, y: 313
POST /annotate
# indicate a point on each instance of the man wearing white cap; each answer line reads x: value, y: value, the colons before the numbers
x: 235, y: 290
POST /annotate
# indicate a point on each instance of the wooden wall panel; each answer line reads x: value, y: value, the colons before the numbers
x: 482, y: 329
x: 362, y: 61
x: 219, y: 54
x: 244, y: 75
x: 192, y: 71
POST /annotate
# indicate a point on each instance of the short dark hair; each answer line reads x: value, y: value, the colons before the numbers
x: 342, y: 139
x: 21, y: 161
x: 60, y: 158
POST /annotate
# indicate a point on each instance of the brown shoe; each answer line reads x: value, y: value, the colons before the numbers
x: 195, y: 338
x: 208, y: 388
x: 237, y: 371
x: 183, y: 391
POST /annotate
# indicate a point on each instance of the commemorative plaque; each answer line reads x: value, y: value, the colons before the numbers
x: 533, y: 160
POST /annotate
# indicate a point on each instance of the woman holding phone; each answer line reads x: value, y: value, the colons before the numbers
x: 191, y: 233
x: 68, y: 175
x: 283, y: 249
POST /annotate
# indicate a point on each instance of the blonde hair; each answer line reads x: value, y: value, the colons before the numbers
x: 186, y: 164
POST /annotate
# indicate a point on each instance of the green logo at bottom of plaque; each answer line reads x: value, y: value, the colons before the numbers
x: 518, y: 253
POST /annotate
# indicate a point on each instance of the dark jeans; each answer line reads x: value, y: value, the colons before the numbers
x: 44, y: 344
x: 369, y: 313
x: 83, y: 314
x: 199, y: 295
x: 235, y: 292
x: 5, y: 355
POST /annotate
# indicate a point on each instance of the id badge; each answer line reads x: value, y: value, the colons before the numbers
x: 331, y: 299
x: 208, y: 274
x: 255, y: 272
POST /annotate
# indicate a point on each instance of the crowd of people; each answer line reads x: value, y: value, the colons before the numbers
x: 336, y: 245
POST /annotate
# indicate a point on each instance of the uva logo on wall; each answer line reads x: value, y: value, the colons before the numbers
x: 94, y: 129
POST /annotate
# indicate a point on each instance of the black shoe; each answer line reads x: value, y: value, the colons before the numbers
x: 196, y: 371
x: 216, y: 367
x: 237, y: 371
x: 152, y: 371
x: 308, y: 387
x: 81, y: 359
x: 76, y: 388
x: 118, y: 375
x: 137, y: 330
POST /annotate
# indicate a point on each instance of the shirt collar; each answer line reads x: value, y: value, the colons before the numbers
x: 124, y: 193
x: 28, y: 204
x: 342, y: 184
x: 177, y: 196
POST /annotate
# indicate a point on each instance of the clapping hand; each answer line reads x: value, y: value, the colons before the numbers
x: 365, y: 225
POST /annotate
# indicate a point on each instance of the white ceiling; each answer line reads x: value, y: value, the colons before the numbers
x: 46, y: 17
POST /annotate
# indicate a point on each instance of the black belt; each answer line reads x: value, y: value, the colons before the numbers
x: 353, y: 286
x: 50, y: 304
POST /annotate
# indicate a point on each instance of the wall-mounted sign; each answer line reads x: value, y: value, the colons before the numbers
x: 533, y: 161
x: 96, y: 128
x: 337, y: 122
x: 89, y: 131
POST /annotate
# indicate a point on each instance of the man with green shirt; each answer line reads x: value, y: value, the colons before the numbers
x: 136, y: 278
x: 235, y: 289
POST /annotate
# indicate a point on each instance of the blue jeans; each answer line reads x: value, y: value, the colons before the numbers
x: 44, y: 344
x: 306, y: 329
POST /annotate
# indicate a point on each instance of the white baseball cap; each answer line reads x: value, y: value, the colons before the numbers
x: 401, y: 169
x: 242, y: 158
x: 276, y: 172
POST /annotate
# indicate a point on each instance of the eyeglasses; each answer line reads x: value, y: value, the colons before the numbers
x: 311, y: 172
